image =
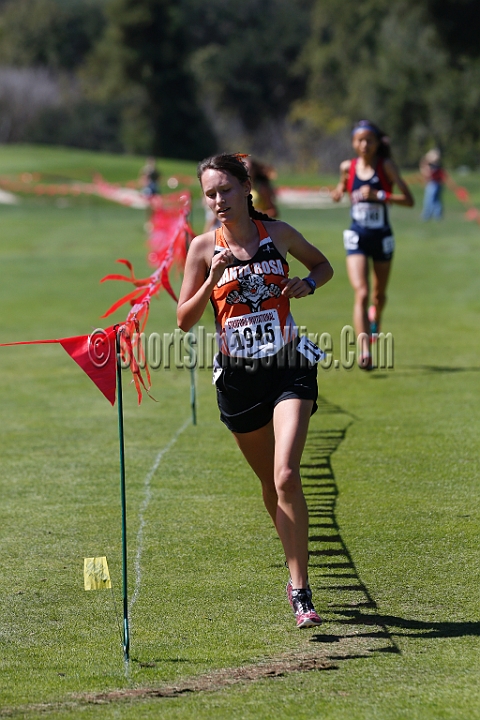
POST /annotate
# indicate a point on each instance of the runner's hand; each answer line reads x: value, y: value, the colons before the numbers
x: 296, y: 288
x: 367, y: 192
x: 219, y: 262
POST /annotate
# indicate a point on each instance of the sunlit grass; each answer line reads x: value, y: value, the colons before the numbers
x: 210, y: 593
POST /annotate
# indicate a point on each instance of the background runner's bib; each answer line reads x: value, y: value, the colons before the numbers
x: 369, y: 215
x: 254, y: 335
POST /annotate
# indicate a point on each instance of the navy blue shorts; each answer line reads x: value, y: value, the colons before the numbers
x: 376, y: 244
x: 248, y: 394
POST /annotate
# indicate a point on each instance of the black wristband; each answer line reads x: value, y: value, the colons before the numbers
x: 313, y: 285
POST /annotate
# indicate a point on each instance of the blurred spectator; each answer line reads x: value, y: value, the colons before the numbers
x: 150, y: 178
x: 263, y: 192
x: 433, y: 175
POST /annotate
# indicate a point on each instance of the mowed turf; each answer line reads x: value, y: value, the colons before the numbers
x: 390, y: 473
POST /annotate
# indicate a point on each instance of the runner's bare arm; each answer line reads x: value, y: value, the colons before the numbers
x: 203, y: 270
x: 405, y: 197
x: 337, y: 193
x: 289, y: 240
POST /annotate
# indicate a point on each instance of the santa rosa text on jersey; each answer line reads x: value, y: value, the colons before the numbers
x: 266, y: 267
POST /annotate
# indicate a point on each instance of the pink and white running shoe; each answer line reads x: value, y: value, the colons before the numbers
x: 302, y: 606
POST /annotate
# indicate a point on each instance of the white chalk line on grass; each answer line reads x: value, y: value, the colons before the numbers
x: 143, y: 509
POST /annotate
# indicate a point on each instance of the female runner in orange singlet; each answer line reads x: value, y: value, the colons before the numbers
x: 265, y: 375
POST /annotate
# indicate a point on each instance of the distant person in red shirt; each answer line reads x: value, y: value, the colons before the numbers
x: 433, y: 175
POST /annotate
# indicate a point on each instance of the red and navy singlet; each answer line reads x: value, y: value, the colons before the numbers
x: 252, y: 317
x: 370, y: 232
x: 368, y: 214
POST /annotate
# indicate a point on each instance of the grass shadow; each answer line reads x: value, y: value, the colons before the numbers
x: 332, y: 567
x: 404, y: 627
x: 443, y: 369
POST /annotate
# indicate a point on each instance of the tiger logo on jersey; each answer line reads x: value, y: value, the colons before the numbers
x: 252, y: 292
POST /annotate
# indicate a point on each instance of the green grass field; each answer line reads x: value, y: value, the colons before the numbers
x: 390, y: 473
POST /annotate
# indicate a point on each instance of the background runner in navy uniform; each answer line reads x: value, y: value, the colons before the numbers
x: 369, y: 178
x: 269, y: 419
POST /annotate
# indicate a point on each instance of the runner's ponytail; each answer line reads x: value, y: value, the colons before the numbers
x: 256, y: 214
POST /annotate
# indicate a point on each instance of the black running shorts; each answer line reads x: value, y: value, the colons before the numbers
x: 376, y: 244
x: 247, y: 394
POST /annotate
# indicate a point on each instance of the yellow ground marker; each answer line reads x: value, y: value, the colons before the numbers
x: 95, y: 574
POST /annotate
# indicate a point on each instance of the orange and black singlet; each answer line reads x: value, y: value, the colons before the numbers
x: 252, y: 317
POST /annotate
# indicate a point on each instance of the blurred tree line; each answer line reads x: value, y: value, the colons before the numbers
x: 284, y: 79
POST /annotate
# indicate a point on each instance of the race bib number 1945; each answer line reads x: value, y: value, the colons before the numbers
x: 254, y: 336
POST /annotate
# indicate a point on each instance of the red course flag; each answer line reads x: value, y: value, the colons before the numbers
x: 96, y: 354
